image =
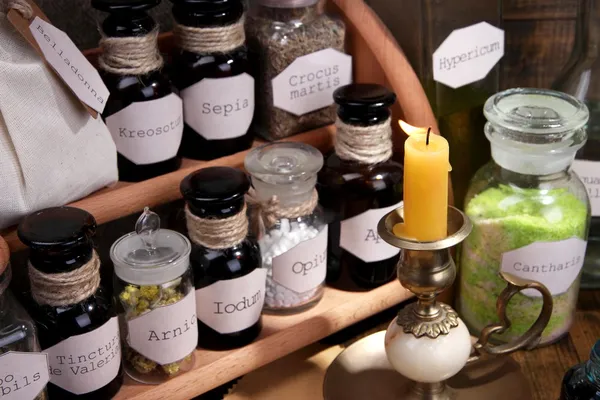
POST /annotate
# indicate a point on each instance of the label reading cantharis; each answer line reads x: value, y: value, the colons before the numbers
x: 232, y: 305
x: 87, y: 362
x: 589, y: 173
x: 22, y: 375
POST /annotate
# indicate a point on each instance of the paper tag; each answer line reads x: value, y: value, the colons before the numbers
x: 87, y: 362
x: 148, y: 132
x: 358, y: 235
x: 220, y: 108
x: 589, y: 173
x: 232, y: 305
x: 308, y: 83
x: 166, y: 334
x: 554, y: 264
x: 22, y: 375
x: 468, y: 55
x: 303, y: 267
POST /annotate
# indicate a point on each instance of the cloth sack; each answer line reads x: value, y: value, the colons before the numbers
x: 52, y: 151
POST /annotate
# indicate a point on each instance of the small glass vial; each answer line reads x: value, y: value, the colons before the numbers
x: 582, y: 382
x: 154, y: 292
x: 358, y: 185
x: 23, y: 369
x: 77, y: 325
x: 530, y: 213
x: 292, y: 233
x: 300, y: 58
x: 214, y: 75
x: 143, y: 114
x: 229, y: 280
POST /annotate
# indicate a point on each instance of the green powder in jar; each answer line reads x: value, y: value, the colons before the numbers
x: 506, y: 218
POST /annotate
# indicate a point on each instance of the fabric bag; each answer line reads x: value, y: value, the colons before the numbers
x: 52, y: 151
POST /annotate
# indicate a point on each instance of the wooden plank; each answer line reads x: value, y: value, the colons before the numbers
x: 539, y: 9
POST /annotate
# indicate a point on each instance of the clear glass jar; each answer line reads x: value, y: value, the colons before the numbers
x: 295, y: 98
x: 530, y: 212
x: 23, y: 369
x: 154, y: 292
x: 292, y: 234
x: 582, y: 382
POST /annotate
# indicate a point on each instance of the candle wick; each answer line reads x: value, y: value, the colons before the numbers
x: 427, y: 138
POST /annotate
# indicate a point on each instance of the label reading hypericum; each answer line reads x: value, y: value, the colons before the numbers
x: 359, y: 236
x: 308, y: 83
x: 232, y: 305
x: 220, y: 108
x: 87, y: 362
x: 148, y: 132
x: 554, y: 264
x: 22, y: 375
x: 468, y: 55
x: 166, y: 334
x: 589, y: 173
x: 303, y: 267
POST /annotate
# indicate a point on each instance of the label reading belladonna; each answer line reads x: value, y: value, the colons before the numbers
x: 308, y: 83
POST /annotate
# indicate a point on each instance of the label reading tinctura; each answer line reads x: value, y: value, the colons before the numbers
x: 589, y: 173
x: 22, y: 375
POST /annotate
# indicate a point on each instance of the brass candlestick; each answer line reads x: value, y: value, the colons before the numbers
x: 428, y: 343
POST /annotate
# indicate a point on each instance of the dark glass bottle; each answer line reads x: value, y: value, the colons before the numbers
x: 582, y: 382
x: 358, y: 194
x: 214, y: 77
x: 224, y: 276
x: 60, y: 240
x: 143, y: 114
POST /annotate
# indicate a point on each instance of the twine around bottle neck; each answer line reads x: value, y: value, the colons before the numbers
x: 65, y: 288
x: 268, y: 212
x: 208, y: 40
x: 134, y: 55
x: 21, y: 6
x: 217, y: 233
x: 366, y: 144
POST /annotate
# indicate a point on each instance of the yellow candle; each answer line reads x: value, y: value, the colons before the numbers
x: 426, y: 166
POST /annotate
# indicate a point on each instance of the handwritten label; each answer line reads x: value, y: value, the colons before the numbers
x: 166, y: 334
x: 303, y: 267
x: 232, y: 305
x: 589, y: 173
x: 22, y: 375
x: 308, y: 83
x: 87, y: 362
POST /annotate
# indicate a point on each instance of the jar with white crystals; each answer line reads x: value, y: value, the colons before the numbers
x: 289, y: 223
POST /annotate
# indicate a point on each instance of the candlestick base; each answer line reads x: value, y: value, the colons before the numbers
x: 362, y: 371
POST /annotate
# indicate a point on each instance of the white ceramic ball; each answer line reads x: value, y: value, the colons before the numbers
x: 425, y: 359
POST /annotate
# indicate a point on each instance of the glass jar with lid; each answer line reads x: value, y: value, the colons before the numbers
x: 292, y: 231
x: 530, y: 212
x: 154, y: 292
x: 20, y: 355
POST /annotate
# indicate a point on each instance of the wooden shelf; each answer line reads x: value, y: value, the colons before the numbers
x: 281, y: 335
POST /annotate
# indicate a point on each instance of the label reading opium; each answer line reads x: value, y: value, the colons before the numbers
x: 589, y: 173
x: 358, y: 235
x: 220, y: 108
x: 554, y: 264
x: 303, y: 267
x: 308, y: 83
x: 22, y: 375
x: 148, y: 132
x: 232, y: 305
x: 468, y: 54
x: 166, y: 334
x: 87, y: 362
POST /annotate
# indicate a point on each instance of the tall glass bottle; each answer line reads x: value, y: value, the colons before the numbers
x: 581, y: 78
x: 582, y: 382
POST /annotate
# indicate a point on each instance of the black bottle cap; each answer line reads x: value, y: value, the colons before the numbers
x: 200, y: 13
x: 216, y: 192
x: 363, y: 103
x: 127, y: 17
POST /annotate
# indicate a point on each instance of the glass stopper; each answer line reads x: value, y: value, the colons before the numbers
x: 146, y: 227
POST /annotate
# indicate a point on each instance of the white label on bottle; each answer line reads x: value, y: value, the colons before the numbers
x: 72, y: 66
x: 148, y: 132
x: 87, y: 362
x: 303, y: 267
x: 220, y: 108
x: 166, y: 334
x: 308, y: 83
x: 359, y: 236
x: 589, y: 173
x: 554, y: 264
x: 232, y: 305
x: 22, y: 375
x: 468, y: 54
